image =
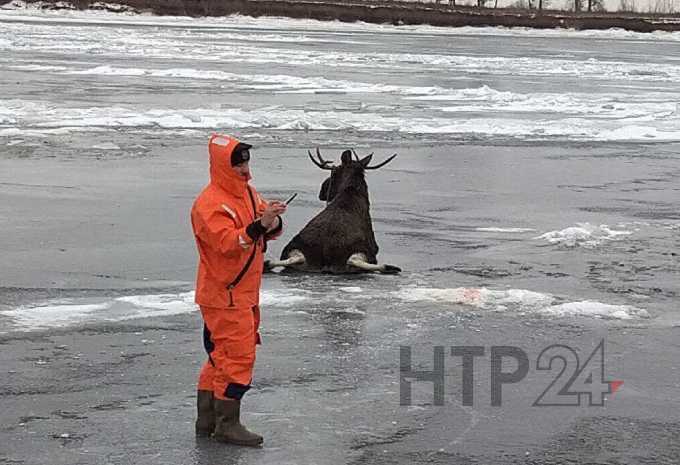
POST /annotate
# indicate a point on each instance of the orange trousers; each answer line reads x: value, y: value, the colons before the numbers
x: 230, y: 336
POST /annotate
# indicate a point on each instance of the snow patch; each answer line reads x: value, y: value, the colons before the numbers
x: 283, y: 297
x: 106, y: 146
x: 482, y: 298
x: 158, y: 305
x: 56, y: 315
x: 350, y: 289
x: 584, y: 234
x: 37, y: 68
x: 596, y: 310
x: 520, y: 301
x: 107, y: 70
x: 65, y: 313
x: 350, y: 310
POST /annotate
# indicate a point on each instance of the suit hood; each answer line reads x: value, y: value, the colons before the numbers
x: 220, y: 148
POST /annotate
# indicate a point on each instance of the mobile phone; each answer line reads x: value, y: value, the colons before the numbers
x: 290, y: 199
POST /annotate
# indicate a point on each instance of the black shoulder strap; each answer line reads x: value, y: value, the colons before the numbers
x: 243, y: 271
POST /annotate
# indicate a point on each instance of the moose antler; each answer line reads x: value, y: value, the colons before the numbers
x: 380, y: 165
x: 321, y: 163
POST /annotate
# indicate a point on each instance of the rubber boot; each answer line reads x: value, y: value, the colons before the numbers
x: 228, y: 426
x: 205, y: 420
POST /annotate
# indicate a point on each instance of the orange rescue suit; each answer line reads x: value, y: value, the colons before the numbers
x: 231, y: 244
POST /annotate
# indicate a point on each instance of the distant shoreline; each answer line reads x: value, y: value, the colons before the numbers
x: 385, y: 12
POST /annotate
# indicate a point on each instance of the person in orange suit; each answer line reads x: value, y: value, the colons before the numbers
x: 232, y: 225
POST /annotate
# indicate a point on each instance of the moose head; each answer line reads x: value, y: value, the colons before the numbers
x: 348, y: 175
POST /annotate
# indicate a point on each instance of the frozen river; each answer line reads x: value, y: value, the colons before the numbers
x: 271, y: 79
x: 533, y: 202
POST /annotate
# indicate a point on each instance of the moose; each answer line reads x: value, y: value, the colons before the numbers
x: 340, y: 238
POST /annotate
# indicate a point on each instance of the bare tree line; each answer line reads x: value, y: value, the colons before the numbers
x: 628, y: 6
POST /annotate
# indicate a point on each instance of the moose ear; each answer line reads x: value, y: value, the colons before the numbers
x: 366, y: 160
x: 346, y: 157
x: 323, y: 193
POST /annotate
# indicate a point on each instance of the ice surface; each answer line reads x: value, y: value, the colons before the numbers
x: 80, y: 72
x: 464, y: 95
x: 504, y: 230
